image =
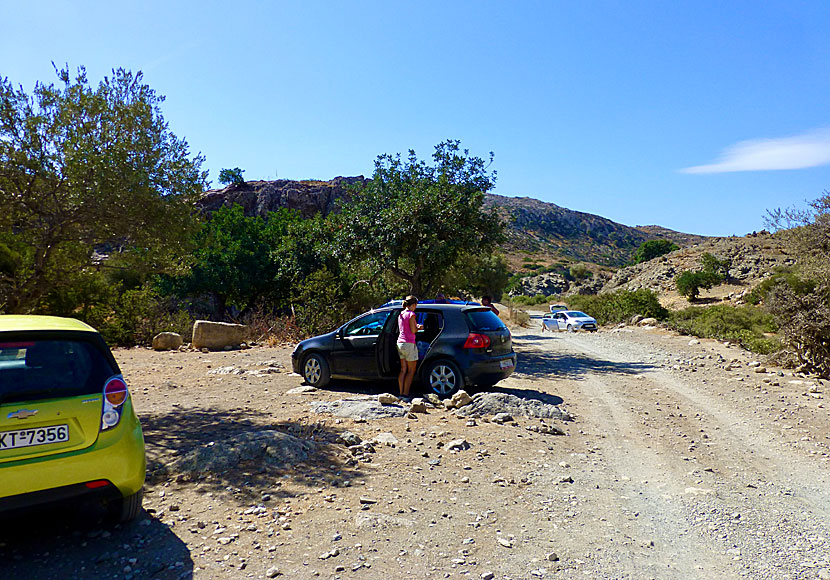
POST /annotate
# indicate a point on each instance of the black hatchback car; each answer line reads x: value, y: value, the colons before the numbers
x: 459, y: 345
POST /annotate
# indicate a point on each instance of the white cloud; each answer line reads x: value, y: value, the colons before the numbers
x: 810, y: 149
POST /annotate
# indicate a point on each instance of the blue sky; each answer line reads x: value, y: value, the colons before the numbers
x: 697, y: 116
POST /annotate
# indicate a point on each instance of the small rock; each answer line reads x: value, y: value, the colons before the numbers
x: 367, y: 500
x: 349, y: 439
x: 388, y: 399
x: 487, y: 576
x: 760, y: 369
x: 458, y: 445
x: 460, y: 399
x: 552, y: 557
x: 272, y: 572
x: 384, y: 439
x: 504, y: 542
x: 418, y: 406
x: 502, y: 418
x: 433, y: 399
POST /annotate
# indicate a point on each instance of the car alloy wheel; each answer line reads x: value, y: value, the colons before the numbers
x: 444, y: 378
x: 570, y: 328
x: 316, y: 370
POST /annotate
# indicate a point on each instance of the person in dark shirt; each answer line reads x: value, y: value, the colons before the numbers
x: 441, y: 299
x: 488, y: 302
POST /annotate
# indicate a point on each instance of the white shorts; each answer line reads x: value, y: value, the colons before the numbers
x: 408, y: 351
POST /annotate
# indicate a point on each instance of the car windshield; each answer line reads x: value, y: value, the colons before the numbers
x: 47, y: 369
x: 577, y: 314
x: 484, y: 319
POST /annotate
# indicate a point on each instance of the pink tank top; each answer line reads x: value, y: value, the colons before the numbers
x: 405, y: 334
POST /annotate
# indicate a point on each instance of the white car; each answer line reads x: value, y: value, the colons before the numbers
x: 570, y: 320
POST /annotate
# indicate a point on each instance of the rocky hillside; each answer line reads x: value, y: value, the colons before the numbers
x: 752, y: 259
x: 546, y: 230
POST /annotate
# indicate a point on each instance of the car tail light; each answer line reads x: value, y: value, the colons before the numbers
x: 97, y: 483
x: 115, y: 394
x: 475, y: 340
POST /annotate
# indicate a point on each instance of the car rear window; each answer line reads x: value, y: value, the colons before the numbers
x: 49, y: 368
x: 484, y: 319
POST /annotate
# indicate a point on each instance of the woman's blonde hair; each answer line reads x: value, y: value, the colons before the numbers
x: 410, y: 300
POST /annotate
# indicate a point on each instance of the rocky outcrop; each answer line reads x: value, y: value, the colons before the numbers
x: 257, y: 198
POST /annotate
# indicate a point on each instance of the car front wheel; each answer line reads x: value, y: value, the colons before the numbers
x: 570, y: 328
x: 444, y: 378
x: 316, y: 370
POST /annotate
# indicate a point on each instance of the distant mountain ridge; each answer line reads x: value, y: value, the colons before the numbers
x: 533, y: 226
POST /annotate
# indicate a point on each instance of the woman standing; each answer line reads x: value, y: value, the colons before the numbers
x: 407, y: 349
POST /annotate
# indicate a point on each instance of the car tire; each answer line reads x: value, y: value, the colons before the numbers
x: 571, y: 328
x: 316, y: 370
x: 443, y: 378
x: 127, y: 508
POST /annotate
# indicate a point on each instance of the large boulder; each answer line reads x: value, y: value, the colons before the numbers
x: 167, y: 341
x: 217, y: 335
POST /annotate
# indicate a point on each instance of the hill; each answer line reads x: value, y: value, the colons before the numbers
x: 545, y: 230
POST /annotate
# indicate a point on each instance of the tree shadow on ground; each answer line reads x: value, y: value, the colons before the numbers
x: 65, y: 542
x: 540, y: 364
x: 171, y: 435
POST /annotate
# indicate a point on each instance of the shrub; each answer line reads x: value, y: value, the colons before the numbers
x: 653, y: 249
x: 580, y: 272
x: 619, y: 306
x: 805, y: 325
x: 714, y: 265
x: 785, y: 276
x: 746, y: 325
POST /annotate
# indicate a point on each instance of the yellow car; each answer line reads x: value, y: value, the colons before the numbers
x: 68, y: 431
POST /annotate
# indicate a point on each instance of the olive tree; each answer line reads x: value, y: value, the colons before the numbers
x: 87, y: 167
x: 415, y: 220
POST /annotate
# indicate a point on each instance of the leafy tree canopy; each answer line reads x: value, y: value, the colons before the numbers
x: 652, y: 249
x: 416, y: 220
x: 84, y: 166
x: 231, y: 176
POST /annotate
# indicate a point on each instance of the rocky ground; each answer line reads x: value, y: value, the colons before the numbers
x: 631, y: 453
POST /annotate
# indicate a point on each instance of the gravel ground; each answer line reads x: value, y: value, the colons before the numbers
x: 685, y: 459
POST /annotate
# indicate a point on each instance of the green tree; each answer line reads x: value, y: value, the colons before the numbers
x: 652, y: 249
x: 416, y: 220
x: 231, y: 176
x: 233, y: 259
x: 84, y: 167
x: 690, y: 282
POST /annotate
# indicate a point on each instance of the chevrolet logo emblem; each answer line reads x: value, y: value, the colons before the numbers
x: 22, y: 414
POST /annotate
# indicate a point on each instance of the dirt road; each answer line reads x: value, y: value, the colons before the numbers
x: 695, y: 471
x: 683, y: 461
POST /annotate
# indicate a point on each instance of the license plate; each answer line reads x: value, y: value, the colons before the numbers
x: 32, y: 437
x: 506, y: 364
